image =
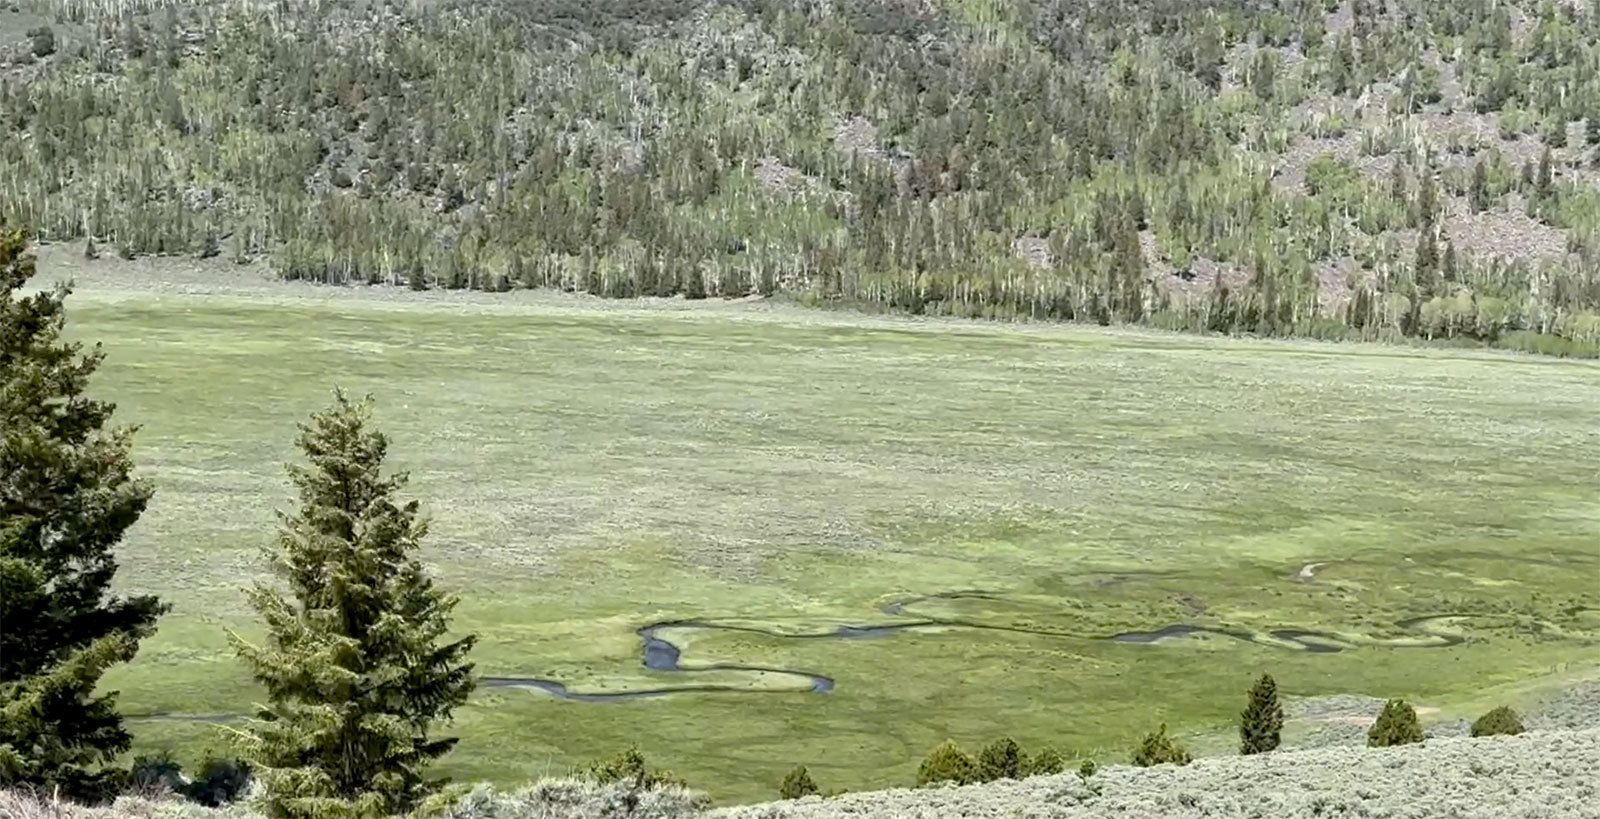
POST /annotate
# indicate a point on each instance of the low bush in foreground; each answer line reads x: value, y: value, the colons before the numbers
x: 1001, y: 759
x: 1397, y: 725
x: 947, y: 763
x: 628, y: 768
x: 1158, y: 749
x: 1500, y: 721
x: 797, y: 784
x: 1046, y: 763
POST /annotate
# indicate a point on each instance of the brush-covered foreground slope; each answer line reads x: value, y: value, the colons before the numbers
x: 1540, y: 775
x: 1338, y: 168
x: 1553, y: 775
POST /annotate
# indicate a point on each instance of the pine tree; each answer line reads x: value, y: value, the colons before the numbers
x: 356, y: 665
x: 1478, y: 193
x: 797, y: 784
x: 67, y: 496
x: 1591, y: 127
x: 1158, y: 749
x: 1001, y: 759
x: 1427, y: 260
x: 1262, y: 720
x: 1397, y: 725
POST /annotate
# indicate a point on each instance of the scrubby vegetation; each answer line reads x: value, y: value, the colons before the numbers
x: 1345, y: 169
x: 947, y: 763
x: 798, y: 783
x: 1158, y: 749
x: 1397, y: 725
x: 1501, y: 720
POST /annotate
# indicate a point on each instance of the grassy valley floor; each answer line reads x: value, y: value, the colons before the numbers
x: 1012, y: 495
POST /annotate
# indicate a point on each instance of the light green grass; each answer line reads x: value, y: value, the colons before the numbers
x: 589, y: 471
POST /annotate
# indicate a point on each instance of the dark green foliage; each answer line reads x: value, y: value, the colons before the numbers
x: 42, y: 41
x: 1397, y: 725
x: 1478, y: 192
x: 67, y: 495
x: 356, y: 665
x: 947, y: 763
x: 1501, y: 720
x: 1001, y: 759
x: 1045, y: 763
x: 1261, y: 722
x: 156, y: 773
x: 628, y: 767
x: 798, y: 783
x: 219, y: 782
x: 1158, y: 749
x: 1087, y: 770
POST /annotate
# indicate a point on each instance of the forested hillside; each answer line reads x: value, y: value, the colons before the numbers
x: 1338, y: 168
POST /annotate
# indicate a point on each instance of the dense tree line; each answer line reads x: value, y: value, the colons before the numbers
x: 884, y: 154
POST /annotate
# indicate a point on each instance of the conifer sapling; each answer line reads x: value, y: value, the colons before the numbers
x: 357, y: 664
x: 1261, y: 723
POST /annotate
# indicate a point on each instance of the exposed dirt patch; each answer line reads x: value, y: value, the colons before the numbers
x: 1505, y: 232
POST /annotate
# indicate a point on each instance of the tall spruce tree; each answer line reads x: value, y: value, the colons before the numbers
x: 1261, y: 723
x: 67, y: 496
x: 356, y: 663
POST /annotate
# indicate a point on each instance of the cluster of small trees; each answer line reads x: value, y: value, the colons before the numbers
x: 357, y: 664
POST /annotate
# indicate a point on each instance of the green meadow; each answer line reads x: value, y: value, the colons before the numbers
x: 592, y: 469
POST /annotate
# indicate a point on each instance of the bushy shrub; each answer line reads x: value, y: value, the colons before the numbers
x: 628, y: 767
x: 158, y: 772
x: 947, y: 763
x: 1158, y: 749
x: 1501, y: 720
x: 1001, y: 759
x: 1397, y: 725
x: 797, y: 784
x: 1087, y: 769
x: 1046, y: 763
x: 1261, y: 722
x: 219, y: 782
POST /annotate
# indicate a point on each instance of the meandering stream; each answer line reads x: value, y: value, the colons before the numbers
x: 664, y: 656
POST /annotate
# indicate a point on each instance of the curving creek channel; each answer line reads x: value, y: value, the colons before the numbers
x: 660, y: 654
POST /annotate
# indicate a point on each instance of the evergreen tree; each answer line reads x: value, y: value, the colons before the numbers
x: 356, y: 662
x: 1001, y: 759
x: 1262, y: 720
x: 1397, y: 725
x: 1591, y: 127
x: 797, y: 784
x: 1478, y: 193
x: 1158, y: 749
x: 1501, y: 720
x: 947, y: 763
x: 1427, y: 260
x: 67, y: 496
